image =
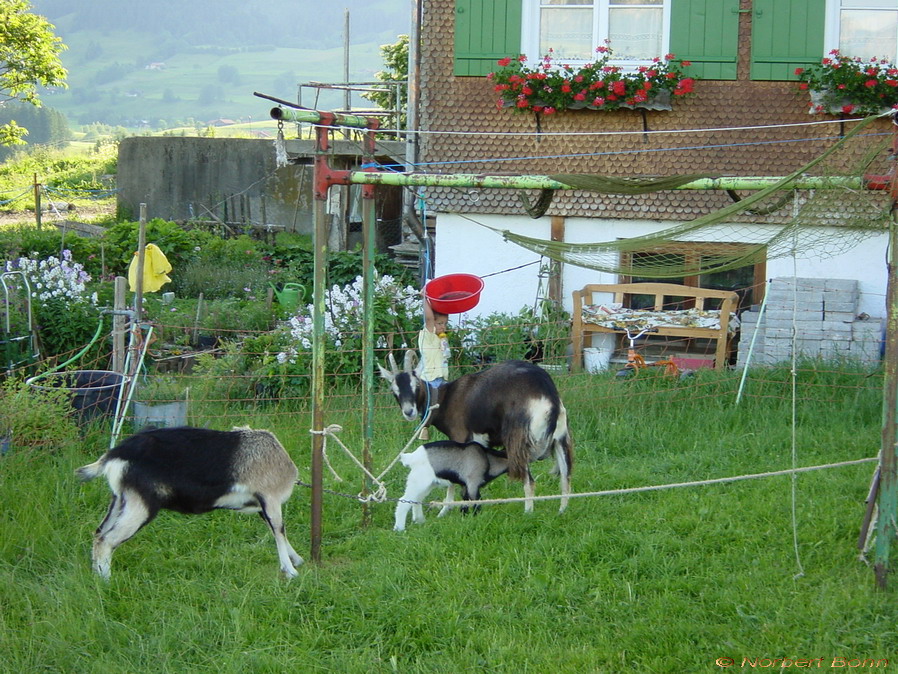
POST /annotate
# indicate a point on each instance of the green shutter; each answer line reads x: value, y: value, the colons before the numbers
x: 785, y: 36
x: 706, y: 32
x: 485, y: 31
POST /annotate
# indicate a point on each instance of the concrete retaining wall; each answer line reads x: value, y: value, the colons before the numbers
x: 231, y: 179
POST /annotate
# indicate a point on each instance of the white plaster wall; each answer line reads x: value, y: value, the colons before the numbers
x: 464, y: 244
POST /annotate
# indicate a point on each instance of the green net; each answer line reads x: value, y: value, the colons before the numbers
x: 779, y: 220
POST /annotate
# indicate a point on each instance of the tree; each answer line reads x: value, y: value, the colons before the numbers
x: 29, y: 56
x: 396, y: 61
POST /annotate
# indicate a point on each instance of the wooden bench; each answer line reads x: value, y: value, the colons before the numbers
x: 584, y: 327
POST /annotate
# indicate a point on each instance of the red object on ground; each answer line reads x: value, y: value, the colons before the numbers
x: 693, y: 363
x: 454, y: 293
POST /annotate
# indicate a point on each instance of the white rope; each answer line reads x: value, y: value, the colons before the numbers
x: 380, y: 494
x: 636, y: 490
x: 411, y: 440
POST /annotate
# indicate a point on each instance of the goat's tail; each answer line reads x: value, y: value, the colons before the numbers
x: 518, y: 442
x: 564, y: 440
x: 90, y: 471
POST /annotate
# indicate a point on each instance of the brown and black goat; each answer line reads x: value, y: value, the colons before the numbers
x: 513, y: 405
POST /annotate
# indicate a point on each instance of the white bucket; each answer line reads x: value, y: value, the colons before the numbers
x: 598, y: 358
x: 164, y: 415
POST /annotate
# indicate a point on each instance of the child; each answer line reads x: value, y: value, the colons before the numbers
x: 433, y: 344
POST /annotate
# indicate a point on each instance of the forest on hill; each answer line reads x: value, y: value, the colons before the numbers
x: 233, y: 23
x: 167, y: 64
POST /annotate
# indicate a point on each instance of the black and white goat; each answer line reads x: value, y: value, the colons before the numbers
x: 192, y: 471
x: 441, y: 464
x: 513, y: 405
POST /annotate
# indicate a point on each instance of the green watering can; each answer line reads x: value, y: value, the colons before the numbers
x: 290, y: 296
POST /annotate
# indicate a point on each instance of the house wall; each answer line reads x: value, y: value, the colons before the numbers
x: 466, y: 244
x: 771, y: 139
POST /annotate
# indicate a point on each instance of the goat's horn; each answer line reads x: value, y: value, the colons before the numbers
x: 392, y: 362
x: 409, y: 363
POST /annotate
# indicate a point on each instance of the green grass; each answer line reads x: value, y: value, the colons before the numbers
x: 666, y: 581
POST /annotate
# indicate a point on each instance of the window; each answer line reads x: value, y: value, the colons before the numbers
x: 864, y: 28
x: 747, y: 281
x: 636, y: 30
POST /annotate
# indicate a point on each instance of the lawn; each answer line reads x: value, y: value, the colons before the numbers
x: 666, y: 581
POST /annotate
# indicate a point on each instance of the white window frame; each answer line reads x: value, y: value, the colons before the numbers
x: 832, y: 30
x: 530, y: 33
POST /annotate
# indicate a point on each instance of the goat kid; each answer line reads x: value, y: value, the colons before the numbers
x: 192, y: 471
x: 513, y: 405
x: 444, y: 463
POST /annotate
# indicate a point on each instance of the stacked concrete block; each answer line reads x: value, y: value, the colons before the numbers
x: 817, y: 318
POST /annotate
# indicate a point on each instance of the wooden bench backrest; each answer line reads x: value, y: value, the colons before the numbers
x: 659, y: 291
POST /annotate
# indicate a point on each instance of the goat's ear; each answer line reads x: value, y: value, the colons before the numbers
x: 386, y: 374
x: 411, y: 359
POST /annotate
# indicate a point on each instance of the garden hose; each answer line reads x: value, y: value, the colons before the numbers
x: 73, y: 358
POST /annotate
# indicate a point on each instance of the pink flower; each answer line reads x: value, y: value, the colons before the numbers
x: 504, y: 62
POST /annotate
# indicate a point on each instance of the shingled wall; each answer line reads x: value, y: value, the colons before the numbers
x: 468, y: 104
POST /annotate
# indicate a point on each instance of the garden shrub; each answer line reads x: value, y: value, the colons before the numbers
x: 277, y: 364
x: 34, y: 418
x: 529, y: 335
x: 178, y: 245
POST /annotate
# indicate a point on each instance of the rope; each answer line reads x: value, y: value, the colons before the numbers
x: 380, y: 494
x: 636, y: 490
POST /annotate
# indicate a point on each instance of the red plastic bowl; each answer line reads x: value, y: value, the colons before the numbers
x: 454, y: 293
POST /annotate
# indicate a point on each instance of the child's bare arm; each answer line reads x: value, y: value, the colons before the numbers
x: 428, y: 314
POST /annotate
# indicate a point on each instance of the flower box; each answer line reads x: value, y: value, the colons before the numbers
x: 660, y: 101
x: 601, y: 85
x: 844, y: 85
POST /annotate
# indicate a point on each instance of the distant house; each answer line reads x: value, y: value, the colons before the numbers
x: 746, y: 118
x: 220, y: 122
x: 158, y: 65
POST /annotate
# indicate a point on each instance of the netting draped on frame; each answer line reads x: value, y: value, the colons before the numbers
x: 787, y: 222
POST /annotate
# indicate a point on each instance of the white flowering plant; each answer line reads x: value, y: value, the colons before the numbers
x: 65, y: 310
x: 278, y: 363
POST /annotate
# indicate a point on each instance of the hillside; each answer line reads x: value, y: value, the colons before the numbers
x: 168, y: 64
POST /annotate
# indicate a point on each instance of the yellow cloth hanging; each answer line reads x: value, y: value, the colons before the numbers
x: 155, y: 269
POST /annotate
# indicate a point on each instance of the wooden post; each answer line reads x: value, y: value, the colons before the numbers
x: 888, y: 486
x: 119, y: 324
x: 37, y: 202
x: 556, y: 267
x: 141, y: 260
